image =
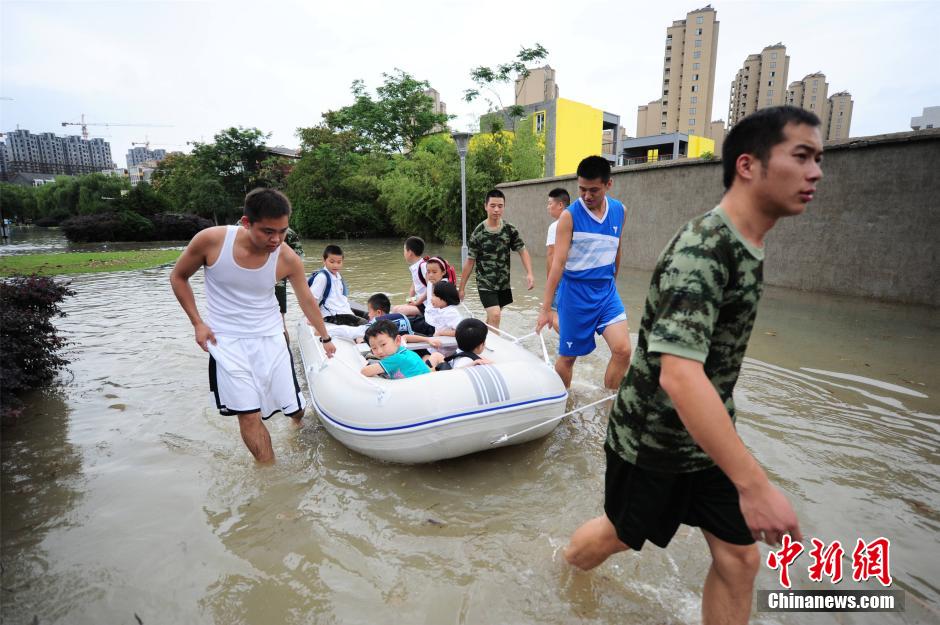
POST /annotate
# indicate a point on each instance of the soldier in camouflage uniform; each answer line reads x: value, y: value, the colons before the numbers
x: 673, y: 456
x: 490, y: 246
x: 280, y: 289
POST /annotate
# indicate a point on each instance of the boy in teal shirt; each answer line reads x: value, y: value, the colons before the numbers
x: 396, y: 361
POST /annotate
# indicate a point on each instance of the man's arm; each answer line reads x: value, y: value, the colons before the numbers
x: 527, y: 263
x: 559, y: 258
x: 549, y: 253
x: 308, y: 303
x: 189, y: 262
x: 467, y: 269
x: 766, y: 510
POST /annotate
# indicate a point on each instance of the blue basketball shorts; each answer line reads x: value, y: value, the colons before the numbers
x: 586, y: 307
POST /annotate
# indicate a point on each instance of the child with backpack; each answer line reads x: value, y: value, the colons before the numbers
x: 330, y: 290
x: 471, y: 341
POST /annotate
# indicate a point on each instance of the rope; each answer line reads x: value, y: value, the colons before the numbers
x: 381, y: 390
x: 506, y: 437
x: 515, y: 339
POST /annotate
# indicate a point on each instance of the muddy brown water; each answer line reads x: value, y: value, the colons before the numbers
x: 124, y: 494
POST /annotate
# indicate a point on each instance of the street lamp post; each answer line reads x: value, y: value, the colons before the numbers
x: 462, y: 139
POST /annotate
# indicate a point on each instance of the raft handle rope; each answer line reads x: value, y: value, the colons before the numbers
x: 381, y: 391
x: 515, y: 339
x: 506, y: 437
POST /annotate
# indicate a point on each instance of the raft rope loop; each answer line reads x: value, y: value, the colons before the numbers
x: 381, y: 391
x: 515, y: 339
x: 506, y: 437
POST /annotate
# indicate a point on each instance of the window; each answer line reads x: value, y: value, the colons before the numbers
x: 665, y: 102
x: 698, y: 31
x: 694, y: 87
x: 700, y: 19
x: 770, y: 101
x: 814, y: 98
x: 539, y: 122
x: 814, y: 89
x: 691, y: 131
x: 698, y: 43
x: 691, y: 121
x: 692, y: 111
x: 665, y: 92
x: 773, y: 65
x: 812, y: 106
x: 770, y: 83
x: 696, y: 54
x: 770, y: 93
x: 815, y: 82
x: 694, y: 99
x: 663, y: 124
x: 773, y: 56
x: 695, y: 65
x: 694, y: 76
x: 772, y: 74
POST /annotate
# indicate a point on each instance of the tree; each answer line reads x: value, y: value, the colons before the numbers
x: 334, y: 186
x: 234, y: 158
x: 527, y: 153
x: 393, y: 122
x: 488, y: 77
x: 19, y: 202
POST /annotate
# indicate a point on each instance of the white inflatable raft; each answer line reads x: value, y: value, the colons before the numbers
x: 432, y: 417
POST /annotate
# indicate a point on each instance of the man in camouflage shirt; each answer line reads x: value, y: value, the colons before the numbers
x: 280, y: 289
x: 490, y: 246
x: 673, y: 455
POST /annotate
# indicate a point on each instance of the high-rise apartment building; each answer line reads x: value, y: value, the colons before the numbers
x: 839, y: 117
x: 538, y: 86
x: 138, y: 155
x: 47, y: 153
x: 760, y: 83
x: 688, y: 86
x: 812, y: 93
x: 930, y: 118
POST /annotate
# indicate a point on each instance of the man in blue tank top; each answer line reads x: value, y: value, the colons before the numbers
x: 584, y: 272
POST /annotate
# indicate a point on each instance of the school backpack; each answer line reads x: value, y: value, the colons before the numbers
x: 450, y: 274
x: 447, y: 366
x: 329, y: 283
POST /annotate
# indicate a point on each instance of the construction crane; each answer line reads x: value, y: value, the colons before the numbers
x: 85, y: 125
x: 146, y: 143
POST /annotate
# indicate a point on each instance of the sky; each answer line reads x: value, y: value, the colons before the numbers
x: 190, y: 69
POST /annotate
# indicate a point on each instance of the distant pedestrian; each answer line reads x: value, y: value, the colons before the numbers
x: 558, y: 201
x: 490, y: 247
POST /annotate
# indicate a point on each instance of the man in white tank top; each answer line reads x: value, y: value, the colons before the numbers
x: 251, y: 373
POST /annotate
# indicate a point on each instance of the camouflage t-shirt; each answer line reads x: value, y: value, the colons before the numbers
x: 491, y: 251
x: 701, y: 305
x: 293, y: 241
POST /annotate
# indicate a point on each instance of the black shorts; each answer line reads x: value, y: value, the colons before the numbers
x: 649, y: 505
x: 280, y: 292
x: 495, y: 298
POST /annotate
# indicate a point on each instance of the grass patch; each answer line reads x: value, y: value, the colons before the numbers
x: 84, y: 262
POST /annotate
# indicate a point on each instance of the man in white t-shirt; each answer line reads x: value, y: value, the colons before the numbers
x: 558, y: 200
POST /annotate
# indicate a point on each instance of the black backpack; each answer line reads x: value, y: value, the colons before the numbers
x: 446, y: 366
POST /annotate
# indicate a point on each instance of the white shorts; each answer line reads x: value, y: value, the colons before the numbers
x: 253, y: 375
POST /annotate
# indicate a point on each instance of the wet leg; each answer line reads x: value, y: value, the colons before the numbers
x: 729, y: 585
x: 592, y: 543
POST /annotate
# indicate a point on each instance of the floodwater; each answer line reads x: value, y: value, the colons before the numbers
x: 124, y: 495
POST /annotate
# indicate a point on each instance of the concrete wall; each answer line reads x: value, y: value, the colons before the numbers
x: 873, y: 229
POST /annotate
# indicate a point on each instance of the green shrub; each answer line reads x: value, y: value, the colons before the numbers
x: 29, y: 341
